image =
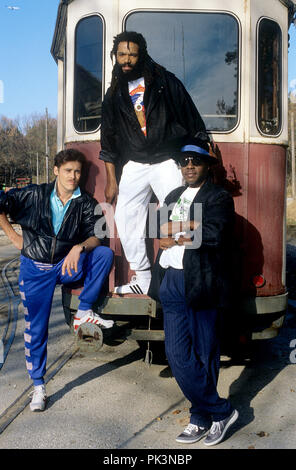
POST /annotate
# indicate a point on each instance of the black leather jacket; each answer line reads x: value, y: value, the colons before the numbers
x: 170, y: 116
x: 30, y: 208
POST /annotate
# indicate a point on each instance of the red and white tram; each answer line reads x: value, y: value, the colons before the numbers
x: 232, y: 57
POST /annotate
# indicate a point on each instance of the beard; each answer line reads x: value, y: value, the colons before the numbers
x: 134, y: 74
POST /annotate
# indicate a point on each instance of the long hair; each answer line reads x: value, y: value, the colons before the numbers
x: 145, y: 63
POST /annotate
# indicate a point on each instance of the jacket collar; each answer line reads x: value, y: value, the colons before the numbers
x: 202, y: 194
x: 49, y: 187
x: 204, y: 191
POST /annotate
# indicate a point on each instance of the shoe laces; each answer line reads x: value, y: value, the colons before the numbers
x: 215, y: 427
x: 190, y: 427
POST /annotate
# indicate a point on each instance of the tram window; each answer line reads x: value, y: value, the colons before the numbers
x: 202, y: 50
x: 88, y: 74
x: 269, y: 77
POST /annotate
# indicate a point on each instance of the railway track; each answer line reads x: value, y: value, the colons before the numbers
x: 9, y: 302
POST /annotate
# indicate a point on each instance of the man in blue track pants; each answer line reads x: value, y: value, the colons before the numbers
x: 58, y: 246
x: 191, y: 280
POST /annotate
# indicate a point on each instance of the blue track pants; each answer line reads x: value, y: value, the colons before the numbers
x: 193, y: 352
x: 37, y: 285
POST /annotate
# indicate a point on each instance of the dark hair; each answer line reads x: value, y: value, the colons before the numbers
x: 145, y: 63
x: 130, y: 36
x: 69, y: 155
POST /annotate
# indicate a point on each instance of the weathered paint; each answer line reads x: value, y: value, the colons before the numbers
x: 255, y: 175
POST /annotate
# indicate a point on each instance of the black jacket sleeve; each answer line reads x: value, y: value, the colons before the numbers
x: 17, y: 201
x: 184, y: 108
x: 109, y: 152
x: 93, y: 221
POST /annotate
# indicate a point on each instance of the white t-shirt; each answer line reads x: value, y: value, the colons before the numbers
x: 173, y: 257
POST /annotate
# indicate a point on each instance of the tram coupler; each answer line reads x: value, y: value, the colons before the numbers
x: 89, y: 338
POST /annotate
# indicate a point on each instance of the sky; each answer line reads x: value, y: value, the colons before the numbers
x: 28, y: 72
x: 292, y: 60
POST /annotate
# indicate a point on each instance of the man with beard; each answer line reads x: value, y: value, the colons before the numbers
x: 145, y: 114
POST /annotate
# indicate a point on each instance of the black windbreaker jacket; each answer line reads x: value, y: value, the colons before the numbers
x: 171, y: 115
x: 30, y: 208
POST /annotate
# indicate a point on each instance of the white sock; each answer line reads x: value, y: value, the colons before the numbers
x: 80, y: 313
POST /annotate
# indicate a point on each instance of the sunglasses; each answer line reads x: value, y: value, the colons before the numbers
x: 196, y: 161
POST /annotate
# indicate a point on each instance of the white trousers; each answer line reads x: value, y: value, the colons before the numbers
x: 138, y: 182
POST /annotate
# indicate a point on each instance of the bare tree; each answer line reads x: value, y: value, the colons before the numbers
x: 13, y: 152
x: 34, y: 129
x: 20, y: 142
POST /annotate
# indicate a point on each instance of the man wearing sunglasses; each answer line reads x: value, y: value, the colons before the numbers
x: 191, y: 280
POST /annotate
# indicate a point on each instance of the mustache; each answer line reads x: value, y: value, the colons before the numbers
x: 133, y: 74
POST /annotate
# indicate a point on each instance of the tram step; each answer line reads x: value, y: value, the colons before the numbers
x: 146, y: 335
x: 114, y: 304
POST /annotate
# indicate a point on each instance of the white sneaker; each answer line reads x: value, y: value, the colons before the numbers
x: 39, y: 397
x: 136, y: 286
x: 91, y: 317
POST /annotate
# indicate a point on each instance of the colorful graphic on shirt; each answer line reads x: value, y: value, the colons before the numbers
x: 182, y: 206
x: 136, y: 91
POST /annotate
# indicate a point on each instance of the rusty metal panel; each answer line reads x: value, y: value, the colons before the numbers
x: 255, y: 175
x: 266, y: 211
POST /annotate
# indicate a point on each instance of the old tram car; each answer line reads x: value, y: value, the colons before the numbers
x: 232, y: 58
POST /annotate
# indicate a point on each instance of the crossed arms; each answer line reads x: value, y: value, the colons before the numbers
x: 170, y: 229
